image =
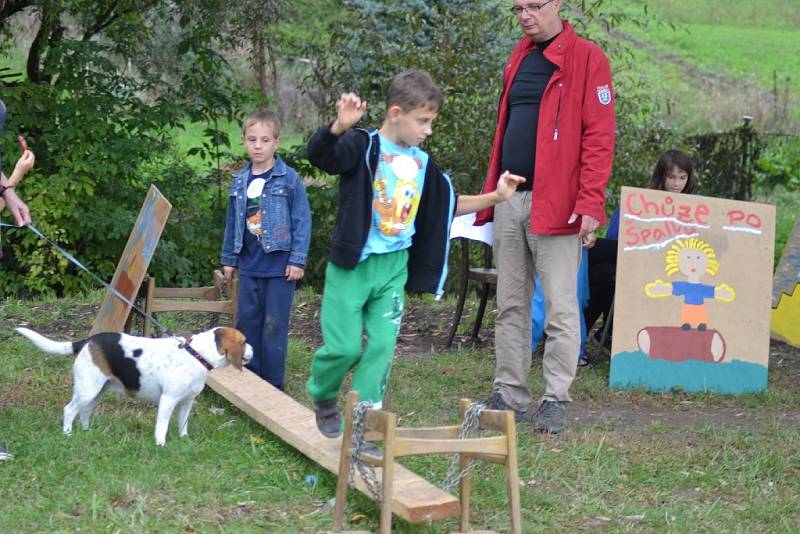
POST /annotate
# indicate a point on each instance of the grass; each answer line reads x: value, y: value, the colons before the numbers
x: 719, y: 62
x: 231, y: 475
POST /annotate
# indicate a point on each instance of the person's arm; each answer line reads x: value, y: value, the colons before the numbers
x: 16, y: 206
x: 23, y: 167
x: 229, y: 259
x: 506, y: 185
x: 327, y: 150
x: 597, y: 142
x: 301, y: 232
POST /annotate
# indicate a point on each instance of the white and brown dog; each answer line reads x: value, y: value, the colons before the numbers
x: 168, y: 371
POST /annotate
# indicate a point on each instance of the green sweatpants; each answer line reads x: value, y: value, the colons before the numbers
x: 369, y: 297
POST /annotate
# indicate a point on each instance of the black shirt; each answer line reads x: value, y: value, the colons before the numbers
x: 524, y: 99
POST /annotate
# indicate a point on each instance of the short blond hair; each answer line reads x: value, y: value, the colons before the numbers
x: 263, y: 115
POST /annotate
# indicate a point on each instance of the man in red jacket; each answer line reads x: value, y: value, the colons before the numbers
x: 555, y: 127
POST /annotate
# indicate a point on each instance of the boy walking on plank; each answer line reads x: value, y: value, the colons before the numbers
x: 392, y: 229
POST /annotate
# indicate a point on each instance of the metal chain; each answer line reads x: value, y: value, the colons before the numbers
x: 472, y: 419
x: 366, y: 470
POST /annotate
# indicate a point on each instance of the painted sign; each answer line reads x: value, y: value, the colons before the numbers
x: 786, y: 291
x: 134, y: 262
x: 692, y: 305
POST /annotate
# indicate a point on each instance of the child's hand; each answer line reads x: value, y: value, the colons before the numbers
x: 23, y: 167
x: 294, y: 273
x: 349, y: 110
x: 507, y: 184
x: 228, y: 271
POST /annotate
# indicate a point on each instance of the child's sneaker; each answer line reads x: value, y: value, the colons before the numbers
x: 329, y: 418
x: 5, y: 455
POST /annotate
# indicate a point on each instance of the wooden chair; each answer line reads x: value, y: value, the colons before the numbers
x: 485, y: 275
x: 196, y: 299
x: 399, y: 442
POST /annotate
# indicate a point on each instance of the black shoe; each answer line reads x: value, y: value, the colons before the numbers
x: 550, y: 417
x: 5, y: 455
x: 329, y: 418
x: 496, y: 402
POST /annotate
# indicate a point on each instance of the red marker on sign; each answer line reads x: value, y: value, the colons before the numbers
x: 22, y: 143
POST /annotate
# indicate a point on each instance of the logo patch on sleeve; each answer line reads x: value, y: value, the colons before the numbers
x: 604, y: 94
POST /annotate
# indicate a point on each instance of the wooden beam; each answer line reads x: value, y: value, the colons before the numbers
x: 414, y: 499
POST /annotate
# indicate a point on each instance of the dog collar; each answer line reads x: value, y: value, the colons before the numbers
x: 185, y: 345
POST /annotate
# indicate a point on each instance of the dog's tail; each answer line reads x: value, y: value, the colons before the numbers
x: 62, y: 348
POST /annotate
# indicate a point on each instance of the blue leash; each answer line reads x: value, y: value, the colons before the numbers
x: 78, y: 264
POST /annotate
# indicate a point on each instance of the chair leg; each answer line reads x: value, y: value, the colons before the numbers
x: 481, y: 310
x: 465, y: 487
x: 148, y: 306
x: 607, y: 319
x: 512, y: 475
x: 388, y: 474
x: 462, y: 297
x: 344, y: 462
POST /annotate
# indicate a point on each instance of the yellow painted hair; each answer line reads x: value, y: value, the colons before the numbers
x: 673, y: 255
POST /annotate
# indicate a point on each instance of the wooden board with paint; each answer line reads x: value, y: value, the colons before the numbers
x: 134, y: 262
x: 786, y: 291
x: 694, y: 284
x: 414, y: 499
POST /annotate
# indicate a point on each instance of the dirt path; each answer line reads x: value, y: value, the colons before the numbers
x: 424, y: 331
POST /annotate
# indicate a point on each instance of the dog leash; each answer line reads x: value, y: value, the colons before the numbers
x: 108, y: 286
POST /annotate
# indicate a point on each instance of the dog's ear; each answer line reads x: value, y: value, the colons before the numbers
x: 231, y: 343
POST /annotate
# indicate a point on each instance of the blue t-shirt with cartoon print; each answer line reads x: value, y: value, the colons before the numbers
x: 397, y: 190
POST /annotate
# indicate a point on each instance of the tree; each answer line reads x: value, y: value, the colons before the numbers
x: 98, y: 113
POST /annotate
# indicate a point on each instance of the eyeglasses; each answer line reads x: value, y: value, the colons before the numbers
x: 530, y: 8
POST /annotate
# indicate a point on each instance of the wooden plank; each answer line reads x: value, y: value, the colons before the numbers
x: 205, y: 293
x: 213, y: 306
x: 133, y: 264
x: 415, y: 499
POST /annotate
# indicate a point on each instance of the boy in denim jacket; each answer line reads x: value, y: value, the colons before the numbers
x: 267, y: 233
x: 392, y: 233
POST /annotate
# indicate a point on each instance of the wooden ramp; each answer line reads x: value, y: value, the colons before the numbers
x: 414, y: 499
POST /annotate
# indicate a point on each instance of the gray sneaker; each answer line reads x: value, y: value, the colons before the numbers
x: 5, y: 455
x: 496, y: 402
x: 329, y: 418
x: 550, y: 417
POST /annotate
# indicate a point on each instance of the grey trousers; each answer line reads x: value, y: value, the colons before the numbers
x: 519, y: 255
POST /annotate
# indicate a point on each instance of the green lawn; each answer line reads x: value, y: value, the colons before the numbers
x: 734, y: 51
x: 643, y: 473
x: 745, y: 13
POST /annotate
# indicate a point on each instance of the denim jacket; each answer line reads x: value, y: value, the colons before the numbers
x: 285, y: 215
